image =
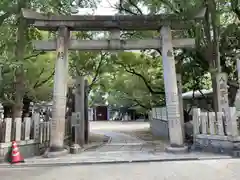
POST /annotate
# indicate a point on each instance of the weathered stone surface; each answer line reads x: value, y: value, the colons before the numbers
x: 18, y: 128
x: 79, y: 108
x: 59, y: 92
x: 171, y: 89
x: 123, y: 22
x: 53, y: 153
x: 213, y: 145
x: 75, y: 148
x: 177, y: 149
x: 188, y: 128
x: 28, y: 148
x: 222, y: 97
x: 160, y: 128
x: 8, y: 129
x: 116, y: 44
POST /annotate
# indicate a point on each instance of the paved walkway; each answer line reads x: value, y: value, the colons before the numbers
x: 123, y: 141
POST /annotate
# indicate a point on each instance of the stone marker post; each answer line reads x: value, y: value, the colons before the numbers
x: 79, y: 107
x: 27, y: 124
x: 237, y: 98
x: 238, y: 69
x: 8, y: 129
x: 75, y: 126
x: 59, y: 94
x: 179, y: 84
x: 223, y: 104
x: 18, y: 128
x: 171, y: 93
x: 86, y: 112
x: 36, y: 125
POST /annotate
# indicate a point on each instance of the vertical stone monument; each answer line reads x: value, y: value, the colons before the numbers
x: 223, y: 104
x: 171, y: 94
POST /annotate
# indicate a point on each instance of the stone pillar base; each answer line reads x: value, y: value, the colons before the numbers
x: 177, y: 149
x: 75, y: 148
x: 55, y: 152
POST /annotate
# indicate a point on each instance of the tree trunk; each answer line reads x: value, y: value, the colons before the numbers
x: 19, y: 55
x: 212, y: 56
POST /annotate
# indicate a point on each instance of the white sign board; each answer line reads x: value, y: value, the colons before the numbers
x: 75, y: 119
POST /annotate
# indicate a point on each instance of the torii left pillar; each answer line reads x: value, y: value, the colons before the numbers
x: 171, y: 94
x: 59, y: 95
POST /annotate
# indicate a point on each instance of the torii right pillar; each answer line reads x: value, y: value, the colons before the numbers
x: 171, y: 94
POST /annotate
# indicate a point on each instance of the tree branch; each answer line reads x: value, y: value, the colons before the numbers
x: 8, y: 13
x: 235, y: 9
x: 121, y: 8
x: 140, y: 104
x: 135, y: 6
x: 38, y: 83
x: 136, y: 101
x: 34, y: 55
x: 132, y: 71
x: 42, y: 71
x: 170, y: 6
x: 3, y: 17
x: 97, y: 71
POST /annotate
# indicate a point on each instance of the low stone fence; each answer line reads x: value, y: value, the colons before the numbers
x: 217, y: 133
x: 32, y: 135
x: 158, y: 122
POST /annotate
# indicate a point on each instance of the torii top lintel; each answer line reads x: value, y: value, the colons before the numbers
x: 107, y: 23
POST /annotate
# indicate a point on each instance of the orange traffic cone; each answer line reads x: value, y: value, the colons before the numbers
x: 15, y: 156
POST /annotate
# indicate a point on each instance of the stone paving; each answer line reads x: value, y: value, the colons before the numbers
x: 122, y: 141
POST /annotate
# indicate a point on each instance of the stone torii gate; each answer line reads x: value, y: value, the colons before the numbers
x: 64, y: 24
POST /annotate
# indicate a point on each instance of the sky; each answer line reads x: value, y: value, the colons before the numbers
x: 104, y: 8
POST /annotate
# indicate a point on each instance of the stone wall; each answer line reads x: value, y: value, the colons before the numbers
x: 213, y: 144
x: 28, y: 148
x: 159, y: 127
